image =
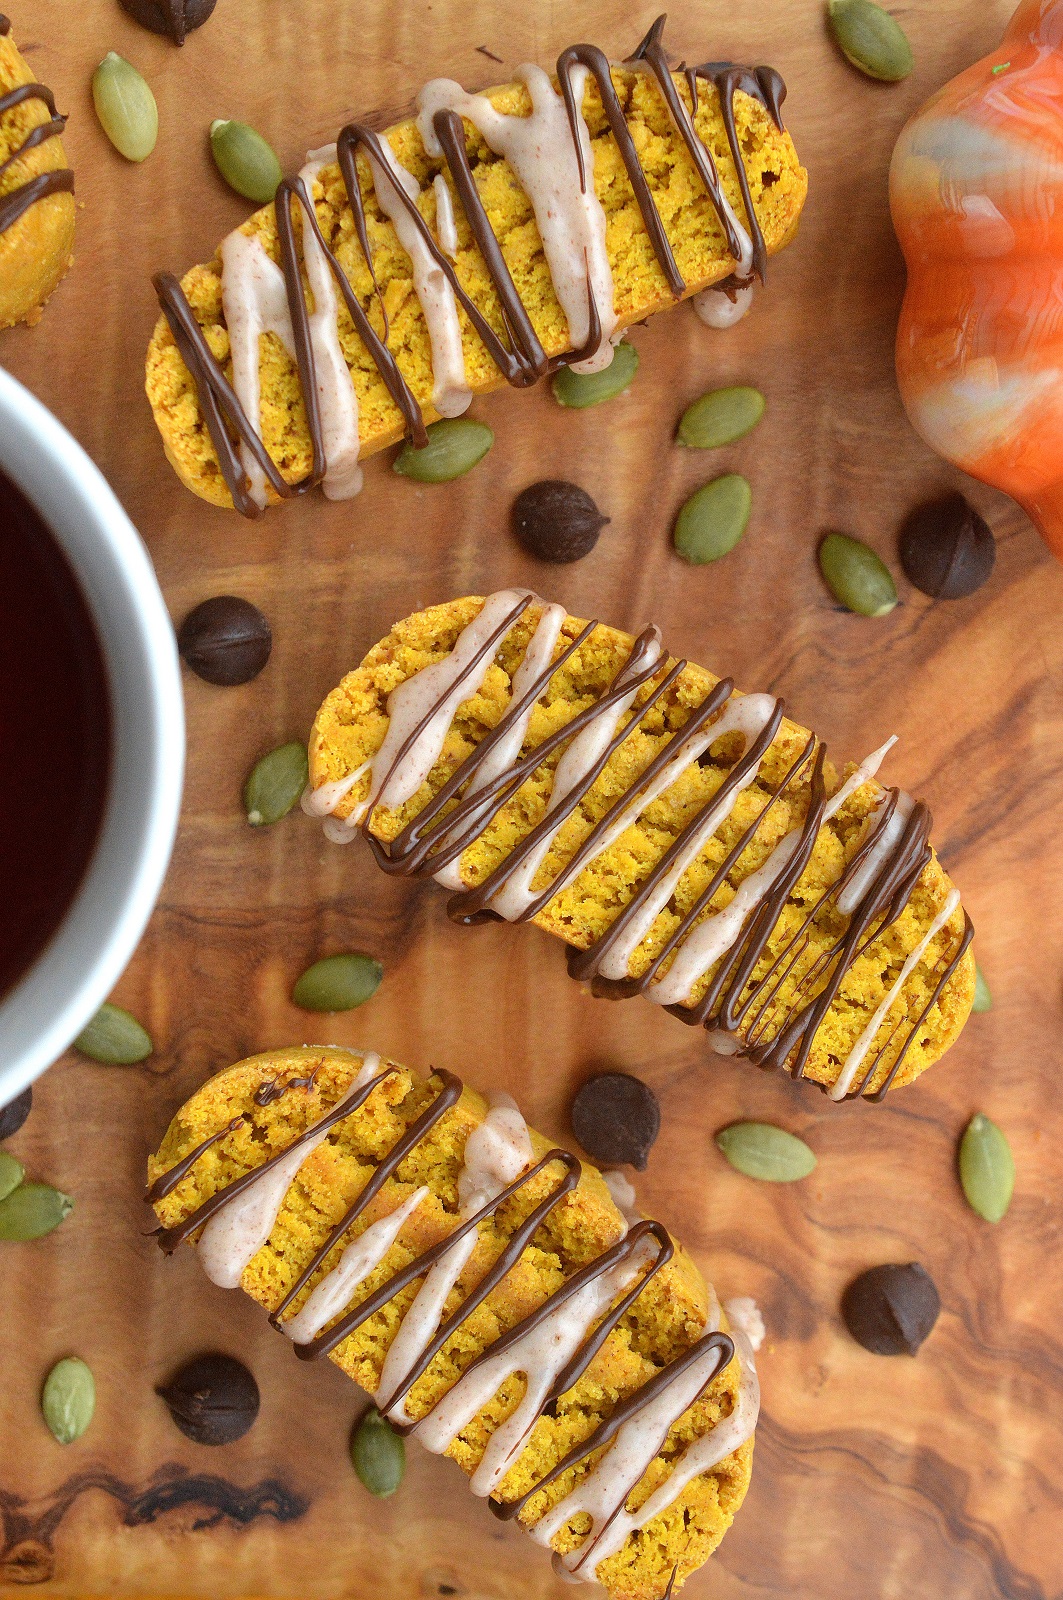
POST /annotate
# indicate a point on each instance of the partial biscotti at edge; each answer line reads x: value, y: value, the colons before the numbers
x: 777, y: 183
x: 665, y: 1320
x: 929, y: 1011
x: 36, y: 205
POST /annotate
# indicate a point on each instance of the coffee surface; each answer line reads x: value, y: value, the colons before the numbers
x: 55, y: 735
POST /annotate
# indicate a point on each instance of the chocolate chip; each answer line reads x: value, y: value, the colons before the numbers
x: 14, y: 1114
x: 213, y: 1400
x: 616, y: 1118
x: 947, y: 549
x: 175, y: 17
x: 225, y: 640
x: 557, y: 521
x: 890, y: 1310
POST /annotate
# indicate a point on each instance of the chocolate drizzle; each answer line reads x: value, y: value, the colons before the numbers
x: 18, y: 201
x: 622, y: 1251
x: 750, y: 1014
x: 520, y: 357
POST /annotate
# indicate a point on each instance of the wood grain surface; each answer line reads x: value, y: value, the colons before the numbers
x: 874, y: 1479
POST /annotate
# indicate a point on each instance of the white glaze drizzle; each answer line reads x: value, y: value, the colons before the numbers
x: 723, y: 308
x: 856, y: 1055
x: 541, y: 152
x: 743, y: 267
x: 451, y: 394
x: 496, y: 1153
x: 622, y: 1194
x: 446, y: 227
x: 255, y: 302
x: 603, y: 1492
x: 887, y: 837
x: 507, y: 751
x: 236, y: 1233
x: 745, y: 714
x: 541, y: 1355
x: 713, y: 937
x: 361, y: 1257
x: 744, y: 1314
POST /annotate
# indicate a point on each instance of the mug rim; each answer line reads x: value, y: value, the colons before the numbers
x: 67, y: 982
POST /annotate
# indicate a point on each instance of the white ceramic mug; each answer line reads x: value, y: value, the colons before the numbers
x: 73, y: 975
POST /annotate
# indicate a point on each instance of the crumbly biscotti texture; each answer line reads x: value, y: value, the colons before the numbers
x: 663, y: 1322
x: 351, y: 724
x: 35, y: 250
x: 778, y: 185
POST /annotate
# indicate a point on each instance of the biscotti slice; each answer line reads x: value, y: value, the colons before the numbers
x: 485, y: 1287
x: 688, y: 843
x: 36, y: 190
x: 492, y: 239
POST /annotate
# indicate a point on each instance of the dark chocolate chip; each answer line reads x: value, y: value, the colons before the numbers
x: 175, y: 17
x: 557, y: 521
x: 890, y: 1310
x: 616, y: 1118
x: 947, y: 549
x: 213, y: 1400
x: 14, y: 1114
x: 225, y: 640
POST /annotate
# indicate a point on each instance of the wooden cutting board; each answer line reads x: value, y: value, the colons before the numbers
x: 874, y: 1479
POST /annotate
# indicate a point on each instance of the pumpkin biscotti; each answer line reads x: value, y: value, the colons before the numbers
x: 688, y: 843
x: 490, y: 239
x: 486, y: 1289
x: 36, y: 190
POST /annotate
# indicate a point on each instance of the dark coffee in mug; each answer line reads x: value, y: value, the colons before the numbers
x: 55, y: 735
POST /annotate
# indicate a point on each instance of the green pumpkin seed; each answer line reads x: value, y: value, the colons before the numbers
x: 32, y: 1210
x: 454, y: 447
x: 245, y: 160
x: 578, y: 390
x: 275, y: 784
x: 857, y: 576
x: 983, y: 999
x: 338, y: 983
x: 378, y: 1454
x: 760, y: 1150
x: 126, y: 107
x: 720, y: 417
x: 987, y: 1168
x: 114, y: 1037
x: 12, y: 1173
x: 871, y: 39
x: 713, y: 519
x: 68, y: 1399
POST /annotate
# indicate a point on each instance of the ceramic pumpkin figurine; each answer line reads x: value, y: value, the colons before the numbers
x: 976, y: 189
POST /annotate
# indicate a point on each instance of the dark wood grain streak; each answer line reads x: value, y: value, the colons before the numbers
x: 874, y: 1479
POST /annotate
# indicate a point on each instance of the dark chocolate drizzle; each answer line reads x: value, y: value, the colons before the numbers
x: 18, y: 201
x: 437, y: 836
x: 520, y: 358
x: 333, y: 1336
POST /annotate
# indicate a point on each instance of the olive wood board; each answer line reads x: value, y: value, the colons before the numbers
x: 874, y: 1478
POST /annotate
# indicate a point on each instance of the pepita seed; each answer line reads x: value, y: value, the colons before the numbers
x: 454, y: 447
x: 275, y: 784
x: 983, y: 999
x: 246, y: 161
x: 713, y: 520
x: 338, y: 983
x: 378, y: 1454
x: 12, y: 1173
x: 871, y: 39
x: 114, y: 1037
x: 760, y: 1150
x: 32, y: 1210
x: 987, y: 1168
x: 856, y: 576
x: 68, y: 1399
x: 577, y: 390
x: 720, y: 417
x: 125, y: 106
